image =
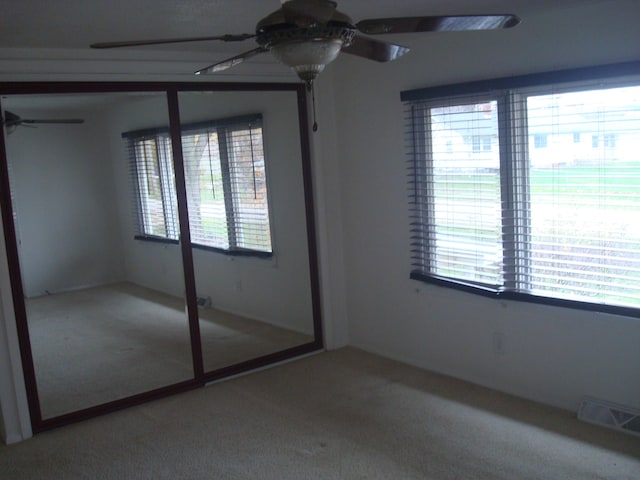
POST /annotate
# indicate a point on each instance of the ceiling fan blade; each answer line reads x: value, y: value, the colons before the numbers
x: 160, y: 41
x: 53, y: 120
x: 376, y: 26
x: 305, y: 13
x: 231, y: 62
x: 375, y: 49
x: 10, y: 119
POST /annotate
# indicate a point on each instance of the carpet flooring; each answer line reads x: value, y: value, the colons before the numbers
x: 344, y: 414
x: 100, y: 344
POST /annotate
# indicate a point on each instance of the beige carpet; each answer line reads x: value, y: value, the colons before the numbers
x: 337, y: 415
x: 100, y: 344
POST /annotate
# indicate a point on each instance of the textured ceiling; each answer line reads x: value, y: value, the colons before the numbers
x: 75, y: 24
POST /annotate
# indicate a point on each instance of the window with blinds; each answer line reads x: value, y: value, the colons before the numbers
x: 530, y: 192
x: 225, y: 184
x: 153, y: 181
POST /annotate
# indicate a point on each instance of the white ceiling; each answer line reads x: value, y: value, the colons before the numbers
x: 74, y: 24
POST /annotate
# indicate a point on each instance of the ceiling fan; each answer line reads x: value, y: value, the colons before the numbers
x: 306, y: 35
x: 11, y: 121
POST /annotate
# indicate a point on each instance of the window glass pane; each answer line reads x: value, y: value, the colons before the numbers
x: 464, y: 175
x: 249, y: 186
x: 205, y: 190
x: 150, y: 188
x: 585, y: 195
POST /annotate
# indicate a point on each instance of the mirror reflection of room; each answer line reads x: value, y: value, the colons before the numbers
x: 98, y: 331
x: 246, y: 203
x: 96, y: 215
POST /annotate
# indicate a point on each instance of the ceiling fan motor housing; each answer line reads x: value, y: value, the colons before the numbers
x: 278, y: 34
x: 306, y: 45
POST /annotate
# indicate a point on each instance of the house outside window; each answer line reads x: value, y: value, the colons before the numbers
x: 226, y: 185
x: 540, y: 141
x: 610, y: 140
x: 482, y: 143
x: 557, y: 227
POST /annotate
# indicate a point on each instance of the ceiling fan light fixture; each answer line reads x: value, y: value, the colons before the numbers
x: 307, y: 57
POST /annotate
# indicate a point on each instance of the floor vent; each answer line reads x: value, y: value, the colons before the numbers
x: 607, y: 414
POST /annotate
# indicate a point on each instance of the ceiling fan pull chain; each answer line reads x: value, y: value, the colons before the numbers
x: 313, y: 103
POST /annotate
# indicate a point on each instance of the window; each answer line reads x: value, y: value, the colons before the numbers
x: 482, y: 143
x: 540, y: 141
x: 225, y: 184
x: 610, y: 140
x: 157, y: 212
x: 553, y: 225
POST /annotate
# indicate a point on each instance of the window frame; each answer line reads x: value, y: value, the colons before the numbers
x: 507, y: 91
x: 224, y: 128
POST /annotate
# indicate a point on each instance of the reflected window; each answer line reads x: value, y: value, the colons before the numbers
x: 152, y: 169
x: 225, y: 182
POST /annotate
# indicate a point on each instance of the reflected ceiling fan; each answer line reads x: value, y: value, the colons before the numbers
x: 11, y: 121
x: 306, y: 35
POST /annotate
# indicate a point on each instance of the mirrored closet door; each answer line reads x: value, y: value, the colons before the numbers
x: 158, y: 239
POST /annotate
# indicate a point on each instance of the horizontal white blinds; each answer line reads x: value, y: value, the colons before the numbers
x: 205, y: 189
x: 226, y: 187
x: 458, y: 192
x: 225, y: 181
x: 153, y: 186
x: 532, y: 190
x: 249, y: 189
x: 584, y: 176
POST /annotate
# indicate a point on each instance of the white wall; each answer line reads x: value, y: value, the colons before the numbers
x: 63, y: 191
x: 550, y: 354
x: 327, y: 174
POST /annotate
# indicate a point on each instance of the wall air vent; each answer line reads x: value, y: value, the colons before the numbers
x: 607, y: 414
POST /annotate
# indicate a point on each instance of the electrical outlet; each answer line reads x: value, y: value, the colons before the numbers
x: 204, y: 302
